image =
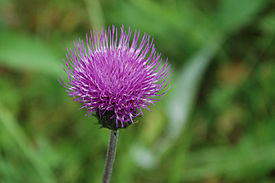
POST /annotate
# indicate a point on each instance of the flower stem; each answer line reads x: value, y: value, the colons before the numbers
x: 110, y: 158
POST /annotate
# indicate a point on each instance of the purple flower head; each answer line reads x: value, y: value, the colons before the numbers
x: 115, y: 76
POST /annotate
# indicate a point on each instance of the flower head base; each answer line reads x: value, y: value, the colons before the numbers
x: 113, y: 77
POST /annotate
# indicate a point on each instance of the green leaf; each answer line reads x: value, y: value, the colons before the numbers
x: 17, y: 134
x: 233, y: 15
x: 236, y: 13
x: 179, y: 106
x: 21, y: 52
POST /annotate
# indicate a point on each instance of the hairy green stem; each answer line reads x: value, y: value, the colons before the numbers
x: 110, y: 158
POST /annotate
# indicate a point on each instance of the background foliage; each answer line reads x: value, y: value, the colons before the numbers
x: 216, y: 124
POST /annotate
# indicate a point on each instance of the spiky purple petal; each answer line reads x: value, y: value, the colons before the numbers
x: 111, y: 74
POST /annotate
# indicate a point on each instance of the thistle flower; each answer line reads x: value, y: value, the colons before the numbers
x: 115, y: 76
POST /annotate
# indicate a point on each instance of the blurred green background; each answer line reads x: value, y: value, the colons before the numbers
x: 216, y: 124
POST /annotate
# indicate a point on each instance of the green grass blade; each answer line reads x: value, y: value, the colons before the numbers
x: 15, y: 131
